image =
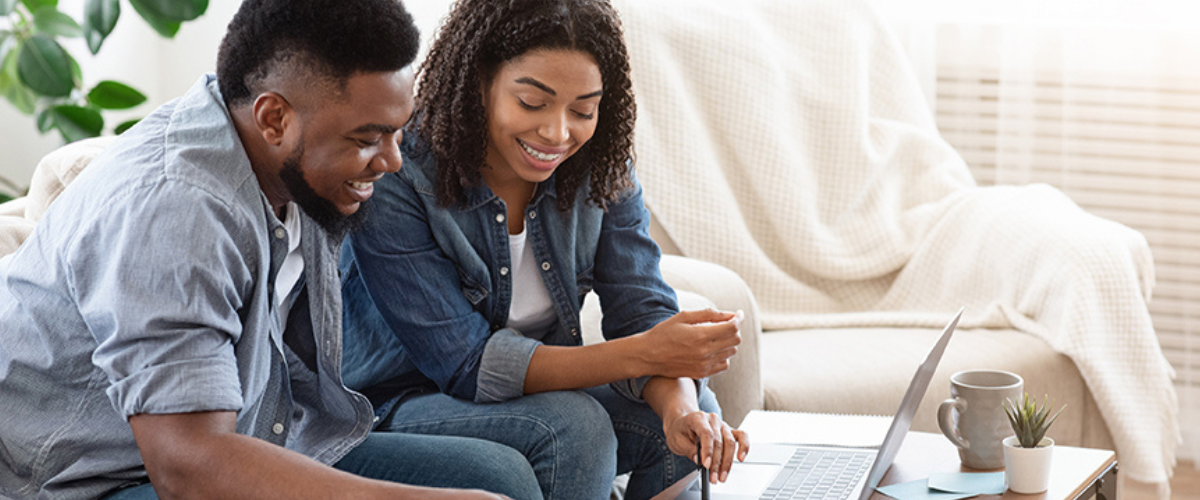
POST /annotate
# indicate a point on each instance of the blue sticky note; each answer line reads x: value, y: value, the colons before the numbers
x: 984, y: 483
x: 919, y: 490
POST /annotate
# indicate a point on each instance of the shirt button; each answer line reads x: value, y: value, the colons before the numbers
x: 533, y: 214
x: 277, y: 428
x: 280, y: 233
x: 574, y: 332
x: 504, y: 271
x: 376, y: 420
x: 546, y: 266
x: 499, y: 217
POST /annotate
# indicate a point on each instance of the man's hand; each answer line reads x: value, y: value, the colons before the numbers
x: 719, y: 443
x: 692, y: 344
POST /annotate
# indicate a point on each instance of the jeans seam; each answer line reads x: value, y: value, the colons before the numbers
x: 538, y: 422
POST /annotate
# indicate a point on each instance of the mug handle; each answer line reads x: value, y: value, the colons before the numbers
x: 946, y: 422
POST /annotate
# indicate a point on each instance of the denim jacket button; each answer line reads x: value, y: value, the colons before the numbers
x: 533, y: 214
x: 277, y: 428
x: 546, y: 266
x: 504, y: 271
x: 280, y: 233
x: 499, y: 217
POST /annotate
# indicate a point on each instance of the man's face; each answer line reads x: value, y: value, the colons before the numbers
x: 346, y: 144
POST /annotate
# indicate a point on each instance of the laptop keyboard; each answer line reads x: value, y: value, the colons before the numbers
x: 819, y: 474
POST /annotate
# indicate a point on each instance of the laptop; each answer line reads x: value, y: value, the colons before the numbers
x: 824, y: 472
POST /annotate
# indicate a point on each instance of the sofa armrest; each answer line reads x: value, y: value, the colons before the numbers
x: 740, y: 388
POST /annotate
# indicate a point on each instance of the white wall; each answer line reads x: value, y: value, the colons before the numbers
x: 162, y: 69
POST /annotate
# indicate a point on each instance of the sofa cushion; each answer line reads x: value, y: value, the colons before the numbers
x: 806, y: 370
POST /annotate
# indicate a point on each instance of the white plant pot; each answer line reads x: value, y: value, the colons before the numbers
x: 1027, y: 469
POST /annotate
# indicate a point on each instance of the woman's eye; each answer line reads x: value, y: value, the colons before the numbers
x: 585, y: 116
x: 530, y: 106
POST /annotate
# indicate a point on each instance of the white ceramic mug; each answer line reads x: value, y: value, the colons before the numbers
x: 973, y: 418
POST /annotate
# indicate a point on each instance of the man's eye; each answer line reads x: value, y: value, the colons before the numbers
x: 365, y: 143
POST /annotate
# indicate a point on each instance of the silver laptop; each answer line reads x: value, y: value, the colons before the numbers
x: 822, y: 472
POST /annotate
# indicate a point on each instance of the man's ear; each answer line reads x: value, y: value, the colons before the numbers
x: 271, y: 116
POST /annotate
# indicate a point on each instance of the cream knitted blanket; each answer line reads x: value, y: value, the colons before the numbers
x: 790, y: 142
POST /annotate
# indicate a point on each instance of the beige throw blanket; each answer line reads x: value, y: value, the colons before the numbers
x: 790, y: 142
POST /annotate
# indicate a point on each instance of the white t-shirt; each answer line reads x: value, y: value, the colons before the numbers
x: 531, y: 311
x: 293, y: 265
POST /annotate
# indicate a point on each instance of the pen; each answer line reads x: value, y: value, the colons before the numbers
x: 703, y: 473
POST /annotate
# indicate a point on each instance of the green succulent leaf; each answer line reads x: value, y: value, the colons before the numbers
x: 14, y: 91
x: 126, y: 125
x: 50, y: 21
x: 76, y: 122
x: 7, y: 6
x: 115, y: 95
x: 99, y: 19
x: 171, y: 10
x: 34, y: 5
x: 165, y: 27
x: 45, y: 67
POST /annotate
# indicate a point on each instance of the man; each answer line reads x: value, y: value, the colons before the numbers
x: 172, y: 327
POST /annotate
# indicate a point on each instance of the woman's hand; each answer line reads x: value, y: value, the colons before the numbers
x: 719, y: 443
x: 692, y: 344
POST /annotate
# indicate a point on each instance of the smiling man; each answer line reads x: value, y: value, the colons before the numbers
x: 172, y: 327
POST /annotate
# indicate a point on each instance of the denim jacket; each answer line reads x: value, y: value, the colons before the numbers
x: 427, y: 288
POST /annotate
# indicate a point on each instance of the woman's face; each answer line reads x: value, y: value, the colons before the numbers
x: 542, y: 107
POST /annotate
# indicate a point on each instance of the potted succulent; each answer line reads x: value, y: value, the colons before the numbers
x: 1027, y: 453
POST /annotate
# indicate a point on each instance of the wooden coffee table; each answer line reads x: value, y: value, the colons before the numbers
x: 1077, y: 473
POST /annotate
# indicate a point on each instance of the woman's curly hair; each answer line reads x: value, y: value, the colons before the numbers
x: 475, y: 39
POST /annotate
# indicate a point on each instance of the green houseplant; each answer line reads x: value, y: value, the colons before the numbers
x: 1027, y: 454
x: 1029, y: 420
x: 39, y: 77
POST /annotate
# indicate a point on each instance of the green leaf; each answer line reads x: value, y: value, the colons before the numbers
x: 45, y: 121
x: 52, y: 22
x: 7, y: 6
x: 162, y: 25
x: 171, y: 10
x: 45, y: 67
x: 126, y: 126
x: 5, y: 198
x: 34, y: 5
x: 77, y: 122
x: 115, y: 95
x: 99, y: 19
x: 10, y: 85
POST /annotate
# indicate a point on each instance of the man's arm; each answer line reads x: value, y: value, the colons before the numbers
x: 200, y: 455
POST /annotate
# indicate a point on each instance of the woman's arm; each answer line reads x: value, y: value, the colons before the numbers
x: 694, y: 344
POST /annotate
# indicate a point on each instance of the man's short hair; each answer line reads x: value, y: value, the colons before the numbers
x: 327, y: 39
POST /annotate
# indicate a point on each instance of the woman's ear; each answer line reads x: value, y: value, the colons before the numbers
x: 271, y: 112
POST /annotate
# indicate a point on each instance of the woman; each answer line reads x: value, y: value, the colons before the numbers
x: 463, y: 290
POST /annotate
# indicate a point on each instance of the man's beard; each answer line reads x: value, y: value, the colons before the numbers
x: 321, y: 210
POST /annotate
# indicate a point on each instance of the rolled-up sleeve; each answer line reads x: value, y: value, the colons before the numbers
x: 160, y: 282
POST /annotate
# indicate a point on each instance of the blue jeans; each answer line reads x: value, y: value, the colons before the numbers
x: 438, y: 461
x: 576, y: 441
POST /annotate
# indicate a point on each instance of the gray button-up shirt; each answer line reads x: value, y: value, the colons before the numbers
x: 148, y: 288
